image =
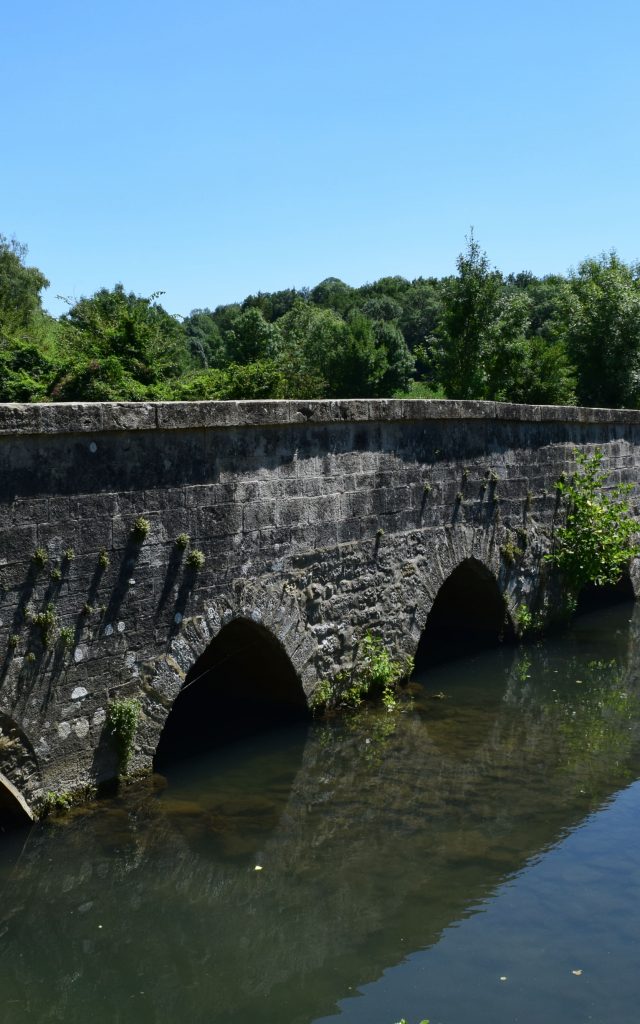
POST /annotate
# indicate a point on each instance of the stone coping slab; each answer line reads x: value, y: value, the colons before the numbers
x: 100, y: 417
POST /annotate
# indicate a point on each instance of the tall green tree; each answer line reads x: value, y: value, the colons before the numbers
x: 148, y: 342
x: 20, y: 288
x: 603, y: 331
x: 471, y: 307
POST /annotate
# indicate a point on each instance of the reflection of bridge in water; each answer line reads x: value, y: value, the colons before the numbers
x: 373, y: 837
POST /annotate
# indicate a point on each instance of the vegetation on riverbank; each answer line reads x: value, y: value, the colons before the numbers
x: 477, y: 334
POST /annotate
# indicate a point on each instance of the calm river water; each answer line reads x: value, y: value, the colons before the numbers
x: 473, y: 859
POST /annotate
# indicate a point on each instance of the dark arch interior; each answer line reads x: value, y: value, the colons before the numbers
x: 592, y: 598
x: 244, y: 683
x: 468, y: 615
x: 12, y: 813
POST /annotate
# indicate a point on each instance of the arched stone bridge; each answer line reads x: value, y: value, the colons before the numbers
x: 319, y: 521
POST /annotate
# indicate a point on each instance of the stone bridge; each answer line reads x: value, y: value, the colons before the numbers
x: 423, y: 522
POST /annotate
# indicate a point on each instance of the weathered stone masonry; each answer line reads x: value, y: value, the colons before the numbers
x: 319, y: 521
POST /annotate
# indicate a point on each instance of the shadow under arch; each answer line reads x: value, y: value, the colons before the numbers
x: 19, y: 776
x: 14, y: 809
x: 244, y: 683
x: 469, y: 614
x: 592, y: 598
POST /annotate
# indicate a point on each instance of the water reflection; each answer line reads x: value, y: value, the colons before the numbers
x: 373, y: 835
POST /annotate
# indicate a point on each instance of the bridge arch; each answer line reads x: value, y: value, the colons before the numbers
x: 592, y: 598
x: 469, y: 613
x: 242, y: 683
x: 19, y: 774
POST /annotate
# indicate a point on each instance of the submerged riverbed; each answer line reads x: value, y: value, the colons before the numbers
x: 473, y: 859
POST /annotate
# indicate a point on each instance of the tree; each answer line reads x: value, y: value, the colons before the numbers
x: 471, y: 306
x: 399, y: 360
x: 251, y: 337
x: 204, y: 339
x: 20, y: 288
x: 147, y: 341
x: 332, y: 293
x: 603, y: 331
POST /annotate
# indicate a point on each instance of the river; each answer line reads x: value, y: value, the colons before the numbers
x: 471, y: 858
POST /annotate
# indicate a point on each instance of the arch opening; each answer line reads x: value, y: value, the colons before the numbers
x: 592, y: 598
x: 243, y: 684
x: 468, y: 615
x: 14, y: 809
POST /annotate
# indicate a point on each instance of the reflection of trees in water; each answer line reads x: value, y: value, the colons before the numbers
x: 373, y: 835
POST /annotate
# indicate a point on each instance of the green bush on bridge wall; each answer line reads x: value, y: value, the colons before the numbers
x: 596, y: 543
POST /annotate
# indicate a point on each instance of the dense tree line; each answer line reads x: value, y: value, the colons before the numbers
x: 476, y: 334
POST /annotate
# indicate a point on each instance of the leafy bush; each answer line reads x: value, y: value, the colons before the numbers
x: 196, y: 559
x: 122, y: 721
x: 596, y: 542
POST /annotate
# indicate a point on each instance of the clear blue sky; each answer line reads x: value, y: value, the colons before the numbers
x: 211, y: 148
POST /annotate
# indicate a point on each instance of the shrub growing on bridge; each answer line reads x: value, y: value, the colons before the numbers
x: 596, y: 542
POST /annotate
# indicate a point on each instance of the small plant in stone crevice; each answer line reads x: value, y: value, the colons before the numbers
x: 597, y: 539
x: 103, y: 559
x: 47, y: 622
x: 195, y: 559
x: 511, y: 552
x: 40, y: 557
x: 374, y: 674
x: 56, y: 802
x: 56, y: 574
x: 66, y: 637
x: 140, y: 529
x: 69, y: 555
x: 530, y: 623
x: 182, y: 541
x: 123, y: 715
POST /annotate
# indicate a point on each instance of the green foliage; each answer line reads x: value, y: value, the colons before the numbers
x: 47, y: 622
x: 602, y: 330
x: 134, y: 332
x: 322, y: 695
x: 123, y: 715
x: 40, y: 557
x: 66, y: 637
x: 375, y: 674
x: 56, y: 803
x: 182, y: 541
x: 20, y: 288
x: 140, y: 529
x: 596, y: 542
x: 56, y: 574
x: 475, y: 335
x: 511, y: 552
x: 103, y: 559
x: 195, y: 559
x: 484, y: 347
x: 13, y: 641
x: 69, y: 555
